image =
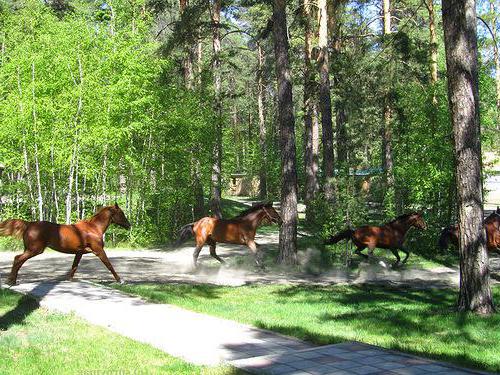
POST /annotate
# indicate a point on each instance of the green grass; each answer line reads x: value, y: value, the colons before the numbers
x: 36, y: 341
x: 413, y: 321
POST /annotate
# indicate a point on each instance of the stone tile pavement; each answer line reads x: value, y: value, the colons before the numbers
x: 346, y: 358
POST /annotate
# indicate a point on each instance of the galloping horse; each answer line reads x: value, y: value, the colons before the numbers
x: 389, y: 236
x: 239, y: 230
x: 491, y: 226
x: 84, y: 237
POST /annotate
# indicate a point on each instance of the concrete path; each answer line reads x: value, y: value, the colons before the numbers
x: 197, y: 338
x: 207, y: 340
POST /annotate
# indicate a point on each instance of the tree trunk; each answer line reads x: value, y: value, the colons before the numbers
x: 310, y: 115
x: 35, y: 133
x: 25, y: 147
x: 187, y: 61
x: 217, y: 154
x: 288, y: 230
x: 262, y: 124
x: 387, y: 160
x: 459, y: 23
x: 496, y: 56
x: 341, y: 120
x: 433, y: 46
x: 325, y: 102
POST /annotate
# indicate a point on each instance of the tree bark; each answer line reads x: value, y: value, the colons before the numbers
x: 262, y: 124
x: 459, y: 23
x: 342, y: 140
x: 288, y: 230
x: 217, y: 154
x: 387, y: 159
x: 35, y: 134
x: 433, y: 46
x: 187, y: 61
x: 496, y: 57
x: 325, y: 102
x: 310, y: 111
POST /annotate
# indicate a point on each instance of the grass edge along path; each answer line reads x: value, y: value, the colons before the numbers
x: 34, y: 340
x: 419, y: 322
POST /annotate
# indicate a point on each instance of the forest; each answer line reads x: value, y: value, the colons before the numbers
x: 157, y: 104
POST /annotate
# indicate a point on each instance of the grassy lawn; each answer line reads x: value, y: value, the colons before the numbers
x: 413, y: 321
x: 35, y: 341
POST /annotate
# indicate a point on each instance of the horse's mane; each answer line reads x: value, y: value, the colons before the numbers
x: 403, y: 217
x: 494, y: 216
x: 253, y: 209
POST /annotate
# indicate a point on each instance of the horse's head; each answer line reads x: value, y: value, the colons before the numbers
x: 118, y: 217
x: 417, y: 220
x: 271, y: 214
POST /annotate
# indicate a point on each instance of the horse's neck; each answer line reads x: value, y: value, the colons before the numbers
x: 403, y: 226
x: 101, y: 220
x: 254, y: 218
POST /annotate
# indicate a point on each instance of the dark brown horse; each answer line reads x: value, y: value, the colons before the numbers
x: 389, y: 236
x: 491, y: 225
x: 239, y: 230
x: 84, y: 237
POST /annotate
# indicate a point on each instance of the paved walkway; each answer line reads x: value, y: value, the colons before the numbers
x: 208, y: 340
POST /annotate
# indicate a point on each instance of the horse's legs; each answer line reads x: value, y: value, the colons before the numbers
x: 396, y: 254
x: 253, y: 248
x: 404, y: 250
x: 371, y: 249
x: 214, y: 254
x: 20, y: 259
x: 196, y: 253
x: 359, y: 250
x: 99, y: 252
x: 78, y: 257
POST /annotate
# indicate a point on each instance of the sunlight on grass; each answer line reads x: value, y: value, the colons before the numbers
x: 35, y: 341
x: 413, y: 321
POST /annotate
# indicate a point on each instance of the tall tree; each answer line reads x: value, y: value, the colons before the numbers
x: 325, y: 101
x: 459, y: 23
x: 387, y: 157
x: 288, y: 230
x: 216, y: 66
x: 496, y: 55
x: 262, y: 123
x: 310, y: 110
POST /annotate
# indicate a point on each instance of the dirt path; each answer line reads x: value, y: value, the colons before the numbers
x: 175, y: 266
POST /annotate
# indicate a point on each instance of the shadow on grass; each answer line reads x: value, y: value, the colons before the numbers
x: 25, y: 306
x: 418, y: 322
x: 161, y: 293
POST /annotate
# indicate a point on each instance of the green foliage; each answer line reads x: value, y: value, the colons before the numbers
x: 87, y: 102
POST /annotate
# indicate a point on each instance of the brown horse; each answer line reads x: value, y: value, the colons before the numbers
x: 389, y: 236
x: 84, y: 237
x: 239, y: 230
x: 491, y: 225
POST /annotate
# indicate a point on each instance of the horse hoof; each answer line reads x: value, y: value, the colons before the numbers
x: 11, y: 282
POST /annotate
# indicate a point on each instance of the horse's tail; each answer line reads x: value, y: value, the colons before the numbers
x: 445, y: 237
x: 185, y: 233
x: 13, y: 227
x: 346, y: 234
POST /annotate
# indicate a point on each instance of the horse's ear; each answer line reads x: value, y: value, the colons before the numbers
x: 116, y: 205
x: 269, y: 204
